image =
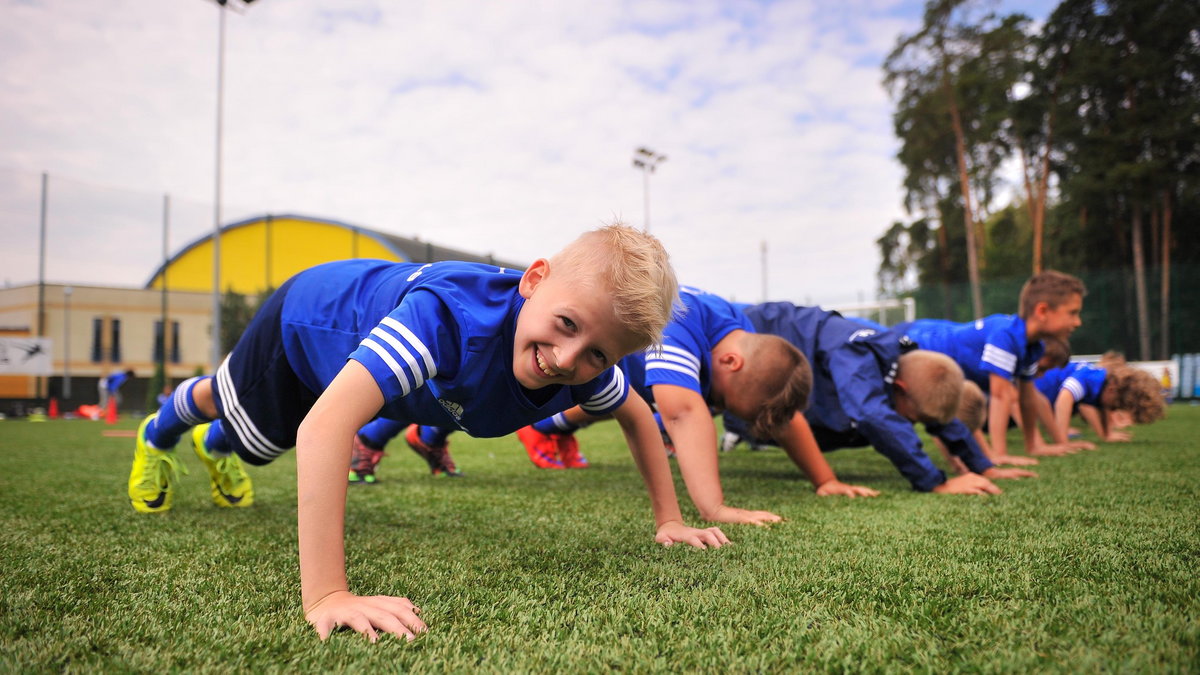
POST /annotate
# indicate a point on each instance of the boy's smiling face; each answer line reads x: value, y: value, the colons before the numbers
x: 1059, y: 321
x: 567, y: 332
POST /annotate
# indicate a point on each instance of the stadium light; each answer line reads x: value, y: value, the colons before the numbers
x: 647, y: 160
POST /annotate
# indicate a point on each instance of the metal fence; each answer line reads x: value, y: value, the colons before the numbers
x: 1109, y: 310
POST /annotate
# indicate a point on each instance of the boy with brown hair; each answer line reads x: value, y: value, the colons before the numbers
x: 713, y: 359
x: 1000, y: 352
x: 473, y: 346
x: 870, y: 387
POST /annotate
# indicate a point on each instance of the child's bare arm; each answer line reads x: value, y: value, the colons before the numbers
x: 322, y: 458
x: 688, y: 420
x: 798, y: 442
x: 1102, y: 425
x: 1001, y: 396
x: 1027, y: 397
x: 1049, y: 417
x: 645, y: 443
x: 1064, y: 405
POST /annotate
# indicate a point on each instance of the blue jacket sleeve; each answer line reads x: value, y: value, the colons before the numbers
x: 961, y: 443
x: 860, y: 390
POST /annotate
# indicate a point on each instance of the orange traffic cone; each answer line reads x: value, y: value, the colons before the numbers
x: 53, y: 408
x: 110, y: 415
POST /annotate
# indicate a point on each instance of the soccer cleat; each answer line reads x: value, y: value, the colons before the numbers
x: 437, y: 457
x: 541, y: 448
x: 363, y: 460
x: 231, y: 486
x: 568, y: 451
x: 152, y: 478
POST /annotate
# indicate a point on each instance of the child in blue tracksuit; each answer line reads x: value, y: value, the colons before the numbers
x: 1000, y: 353
x: 870, y: 385
x: 476, y: 347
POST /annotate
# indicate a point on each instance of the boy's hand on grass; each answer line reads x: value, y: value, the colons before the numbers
x: 1082, y: 445
x: 996, y: 472
x: 675, y: 532
x: 1053, y: 450
x: 732, y: 514
x: 1013, y: 460
x: 365, y: 614
x: 1118, y: 436
x: 968, y: 484
x: 838, y: 488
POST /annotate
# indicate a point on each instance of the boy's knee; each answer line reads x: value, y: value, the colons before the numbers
x: 202, y: 395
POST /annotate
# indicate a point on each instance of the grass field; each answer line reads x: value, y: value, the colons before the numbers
x: 1091, y: 567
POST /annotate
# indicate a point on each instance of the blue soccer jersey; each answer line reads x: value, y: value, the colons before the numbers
x: 854, y: 367
x: 994, y: 345
x: 685, y: 359
x: 1084, y: 380
x: 437, y: 339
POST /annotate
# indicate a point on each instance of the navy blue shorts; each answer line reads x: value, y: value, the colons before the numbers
x: 260, y: 399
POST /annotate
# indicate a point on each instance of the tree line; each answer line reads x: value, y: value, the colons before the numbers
x: 1097, y: 113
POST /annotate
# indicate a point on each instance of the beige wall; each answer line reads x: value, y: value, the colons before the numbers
x: 136, y: 309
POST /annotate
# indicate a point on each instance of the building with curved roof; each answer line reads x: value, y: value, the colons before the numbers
x: 262, y: 252
x: 91, y: 331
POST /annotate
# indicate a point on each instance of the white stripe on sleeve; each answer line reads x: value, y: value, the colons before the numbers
x: 391, y: 362
x: 1001, y: 359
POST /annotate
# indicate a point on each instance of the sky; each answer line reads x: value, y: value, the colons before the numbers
x: 495, y: 127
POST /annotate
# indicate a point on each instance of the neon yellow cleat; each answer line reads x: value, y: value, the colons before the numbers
x: 152, y: 478
x: 231, y: 486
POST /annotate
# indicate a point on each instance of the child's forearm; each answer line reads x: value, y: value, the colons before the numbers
x: 322, y: 460
x: 649, y: 454
x: 695, y: 438
x: 1095, y: 420
x: 321, y: 509
x: 1063, y: 406
x: 999, y: 405
x: 798, y: 442
x: 1027, y: 397
x: 1050, y: 420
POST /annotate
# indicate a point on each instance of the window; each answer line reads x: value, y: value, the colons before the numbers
x: 116, y: 340
x: 174, y: 342
x: 97, y: 340
x: 158, y: 342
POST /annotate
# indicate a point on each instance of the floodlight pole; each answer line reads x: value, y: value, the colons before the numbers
x: 764, y: 270
x: 216, y: 290
x: 41, y: 304
x: 647, y: 160
x: 66, y: 393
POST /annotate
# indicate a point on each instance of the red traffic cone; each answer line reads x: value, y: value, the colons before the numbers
x: 110, y: 415
x: 53, y: 408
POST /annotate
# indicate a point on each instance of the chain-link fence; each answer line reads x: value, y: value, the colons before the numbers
x: 1110, y: 311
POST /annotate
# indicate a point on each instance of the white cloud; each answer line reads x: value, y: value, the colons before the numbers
x: 498, y: 127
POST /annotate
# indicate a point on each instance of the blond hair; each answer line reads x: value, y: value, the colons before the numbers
x: 1051, y: 287
x: 1136, y: 391
x: 635, y: 268
x: 779, y: 378
x: 934, y: 383
x: 972, y: 407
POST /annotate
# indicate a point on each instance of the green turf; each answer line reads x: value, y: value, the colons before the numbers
x: 1091, y: 567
